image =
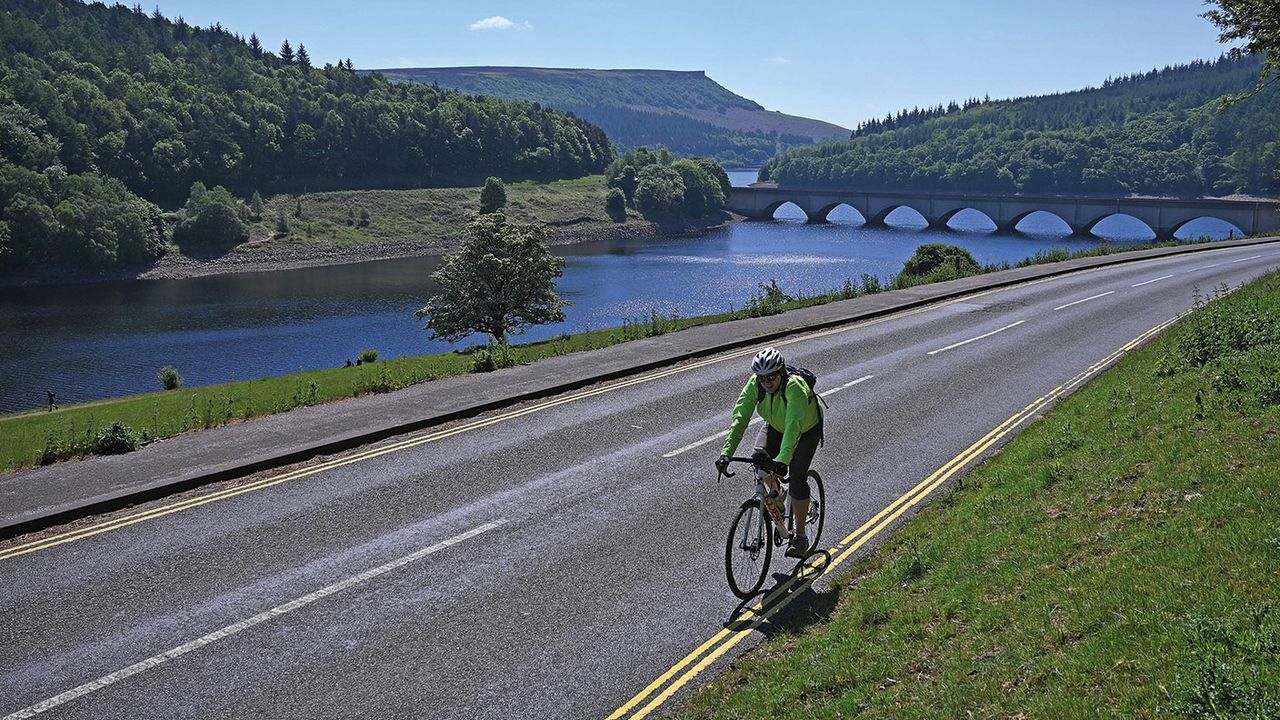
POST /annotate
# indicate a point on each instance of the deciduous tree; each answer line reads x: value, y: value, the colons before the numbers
x: 659, y: 191
x: 210, y: 221
x: 501, y: 282
x: 493, y: 196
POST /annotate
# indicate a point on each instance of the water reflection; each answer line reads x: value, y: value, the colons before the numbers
x: 109, y: 339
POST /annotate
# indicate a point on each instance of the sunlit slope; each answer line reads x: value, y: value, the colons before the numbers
x: 684, y: 111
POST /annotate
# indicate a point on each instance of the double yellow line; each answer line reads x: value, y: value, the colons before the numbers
x: 667, y: 684
x: 169, y: 509
x: 262, y: 484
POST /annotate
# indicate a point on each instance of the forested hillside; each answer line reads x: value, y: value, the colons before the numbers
x: 107, y: 113
x: 1157, y: 133
x: 685, y: 112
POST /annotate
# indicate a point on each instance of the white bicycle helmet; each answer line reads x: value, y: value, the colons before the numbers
x: 767, y: 361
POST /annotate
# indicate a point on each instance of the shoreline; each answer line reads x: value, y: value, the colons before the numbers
x: 244, y: 259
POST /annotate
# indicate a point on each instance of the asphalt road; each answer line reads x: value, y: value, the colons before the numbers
x: 547, y: 561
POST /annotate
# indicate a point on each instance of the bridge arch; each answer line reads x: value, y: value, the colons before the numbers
x: 878, y: 217
x: 1090, y: 228
x: 1216, y: 229
x: 943, y: 221
x: 767, y: 213
x: 1012, y: 224
x: 823, y: 214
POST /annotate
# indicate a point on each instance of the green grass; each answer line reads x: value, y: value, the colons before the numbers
x: 1119, y: 558
x: 36, y: 437
x: 429, y: 217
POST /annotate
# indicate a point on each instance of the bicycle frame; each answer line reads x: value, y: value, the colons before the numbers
x: 749, y: 545
x: 762, y: 496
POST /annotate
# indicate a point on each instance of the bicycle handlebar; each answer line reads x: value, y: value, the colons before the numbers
x: 726, y: 473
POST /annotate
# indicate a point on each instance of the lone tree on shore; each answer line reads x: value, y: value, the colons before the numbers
x: 493, y: 196
x: 500, y: 283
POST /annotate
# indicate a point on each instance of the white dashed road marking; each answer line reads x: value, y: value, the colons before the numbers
x: 1148, y: 282
x: 966, y: 342
x: 1095, y: 297
x: 275, y: 612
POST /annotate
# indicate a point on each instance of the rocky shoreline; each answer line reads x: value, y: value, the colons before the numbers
x: 254, y: 257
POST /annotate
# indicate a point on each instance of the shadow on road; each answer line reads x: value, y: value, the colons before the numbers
x: 791, y: 603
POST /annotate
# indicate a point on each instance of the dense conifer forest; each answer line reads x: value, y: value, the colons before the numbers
x: 1162, y: 133
x: 108, y: 113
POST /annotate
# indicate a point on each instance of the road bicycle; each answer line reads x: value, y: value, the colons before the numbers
x: 758, y: 527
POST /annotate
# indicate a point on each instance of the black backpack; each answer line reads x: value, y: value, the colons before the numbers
x: 805, y: 374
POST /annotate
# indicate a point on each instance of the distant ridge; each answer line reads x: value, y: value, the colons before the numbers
x: 1161, y: 132
x: 682, y: 110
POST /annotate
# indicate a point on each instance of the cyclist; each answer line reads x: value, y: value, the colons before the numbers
x: 791, y: 434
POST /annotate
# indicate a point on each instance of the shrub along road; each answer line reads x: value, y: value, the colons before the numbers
x: 549, y: 560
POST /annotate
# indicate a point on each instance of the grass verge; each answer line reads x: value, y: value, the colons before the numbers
x: 122, y: 424
x: 1120, y: 557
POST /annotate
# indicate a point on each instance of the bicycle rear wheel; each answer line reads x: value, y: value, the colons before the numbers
x: 747, y: 551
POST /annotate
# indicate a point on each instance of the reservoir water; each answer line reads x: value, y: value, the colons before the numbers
x: 93, y: 341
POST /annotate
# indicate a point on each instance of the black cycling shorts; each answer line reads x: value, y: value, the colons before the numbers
x: 770, y: 441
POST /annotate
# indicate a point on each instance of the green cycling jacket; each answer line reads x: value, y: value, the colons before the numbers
x: 796, y: 415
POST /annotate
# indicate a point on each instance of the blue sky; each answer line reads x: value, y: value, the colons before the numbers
x: 843, y: 62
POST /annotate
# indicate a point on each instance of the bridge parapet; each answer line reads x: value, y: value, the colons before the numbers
x: 1164, y: 216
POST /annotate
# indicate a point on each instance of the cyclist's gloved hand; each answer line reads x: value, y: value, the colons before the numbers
x: 760, y: 458
x: 722, y: 464
x: 777, y: 468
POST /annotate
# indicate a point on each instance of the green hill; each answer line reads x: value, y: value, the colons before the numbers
x: 1159, y: 133
x: 107, y: 113
x: 686, y: 112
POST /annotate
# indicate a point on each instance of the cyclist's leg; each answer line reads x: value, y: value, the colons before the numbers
x: 798, y: 471
x: 769, y: 442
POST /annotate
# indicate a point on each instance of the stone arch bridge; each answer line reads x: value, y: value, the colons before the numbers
x: 1164, y: 216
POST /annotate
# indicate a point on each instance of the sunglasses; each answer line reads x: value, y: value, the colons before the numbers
x: 771, y: 377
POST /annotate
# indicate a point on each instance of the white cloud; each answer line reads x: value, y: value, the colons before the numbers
x: 778, y: 60
x: 497, y: 22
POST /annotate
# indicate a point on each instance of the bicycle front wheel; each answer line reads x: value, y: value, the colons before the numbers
x: 748, y: 550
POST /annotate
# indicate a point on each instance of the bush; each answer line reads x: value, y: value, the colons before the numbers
x: 169, y: 377
x: 210, y: 220
x: 660, y: 193
x: 117, y: 439
x: 931, y: 257
x: 936, y: 262
x: 870, y: 284
x: 768, y: 301
x: 493, y: 196
x: 494, y: 356
x: 368, y: 356
x: 615, y: 204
